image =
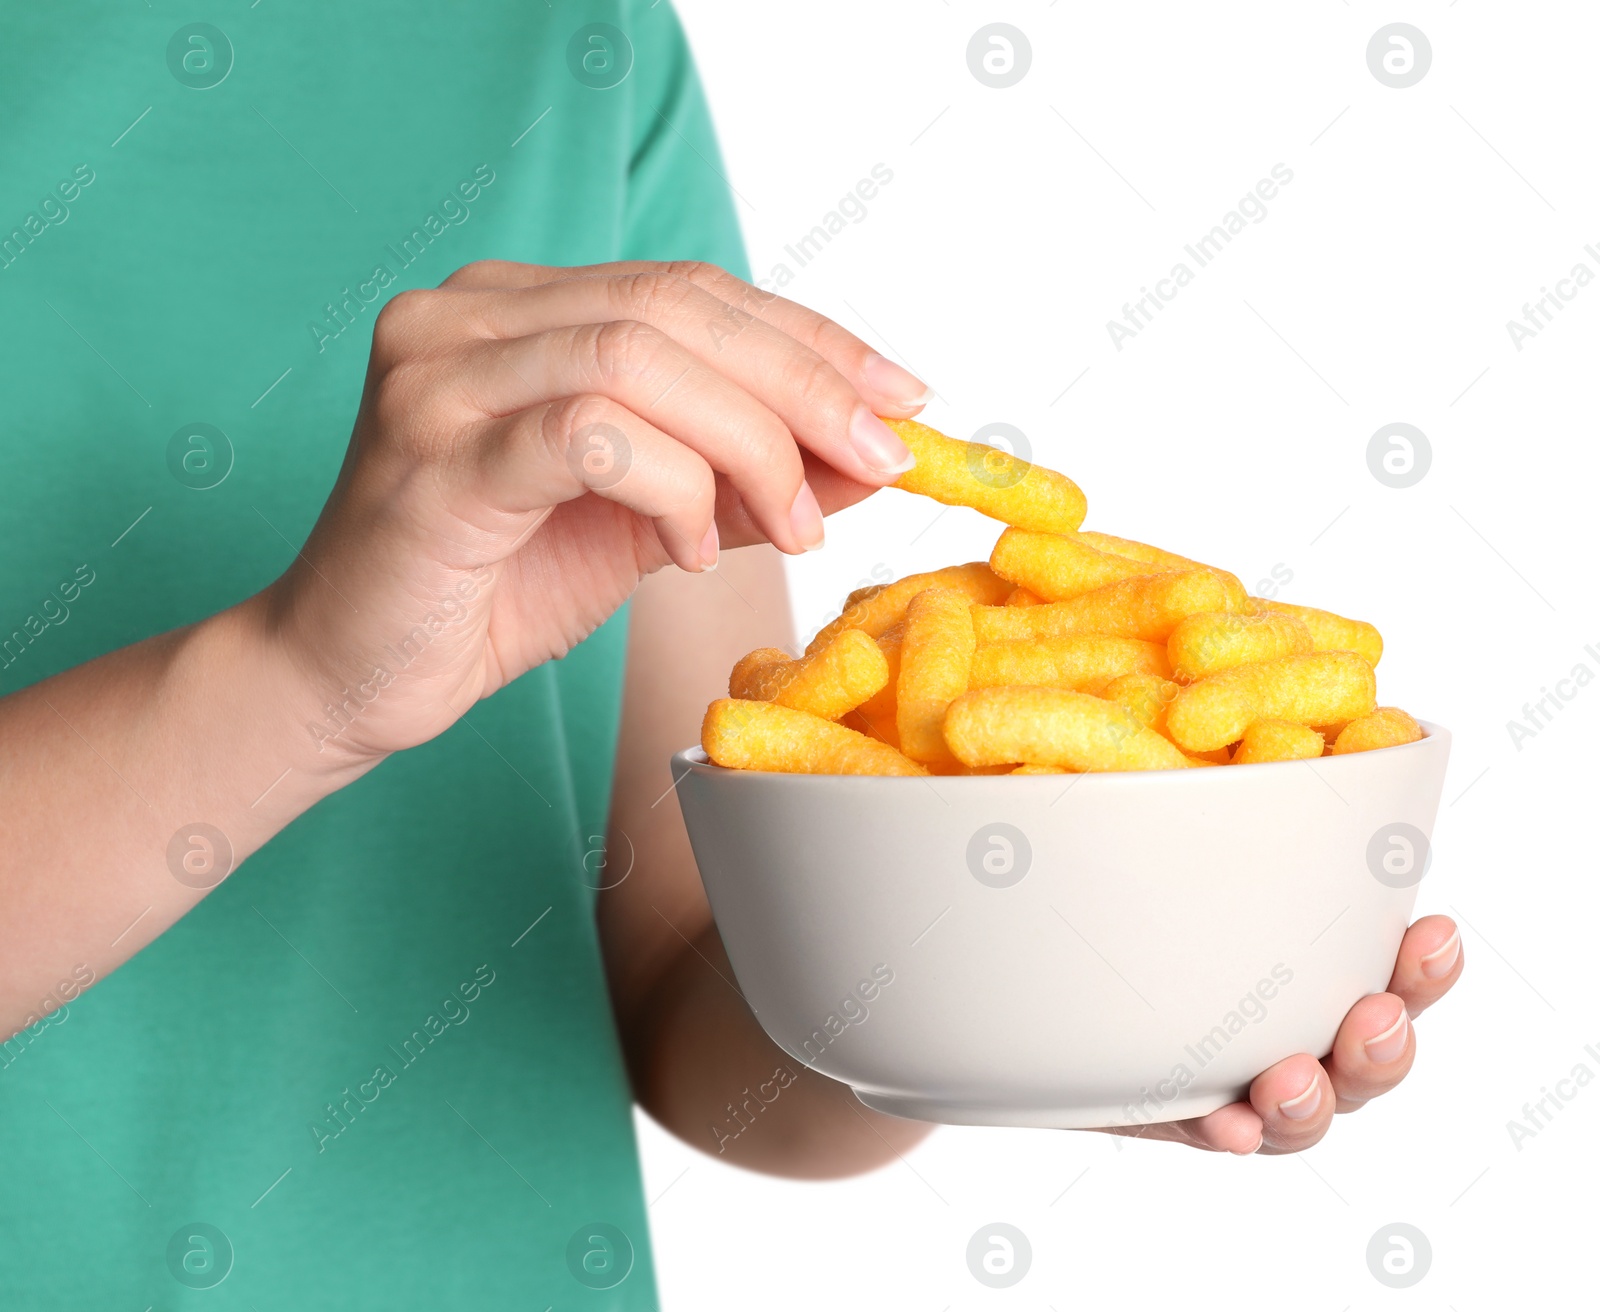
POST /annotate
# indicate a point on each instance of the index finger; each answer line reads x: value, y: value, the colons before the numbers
x: 881, y: 383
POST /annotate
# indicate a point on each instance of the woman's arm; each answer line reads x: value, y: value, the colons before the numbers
x: 133, y: 784
x: 531, y: 442
x: 697, y: 1055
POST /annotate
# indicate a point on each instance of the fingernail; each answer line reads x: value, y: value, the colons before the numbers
x: 880, y: 450
x: 1304, y: 1103
x: 893, y: 383
x: 1387, y: 1047
x: 805, y: 518
x: 708, y: 547
x: 1439, y: 963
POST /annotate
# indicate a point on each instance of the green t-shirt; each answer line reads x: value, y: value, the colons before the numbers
x: 376, y: 1068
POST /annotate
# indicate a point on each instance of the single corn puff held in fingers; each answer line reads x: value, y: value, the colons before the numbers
x: 746, y: 735
x: 1329, y: 632
x: 1022, y: 597
x: 1058, y: 566
x: 838, y: 678
x: 1277, y: 740
x: 1388, y: 726
x: 988, y: 480
x: 1082, y: 662
x: 1215, y: 640
x: 1051, y: 726
x: 876, y: 610
x: 1148, y: 607
x: 1314, y: 688
x: 1144, y: 696
x: 935, y: 666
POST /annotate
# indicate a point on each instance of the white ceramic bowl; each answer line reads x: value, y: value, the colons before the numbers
x: 1071, y: 951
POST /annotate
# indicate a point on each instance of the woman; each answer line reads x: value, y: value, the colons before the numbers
x: 388, y: 1061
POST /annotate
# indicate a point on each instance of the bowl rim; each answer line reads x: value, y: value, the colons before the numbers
x: 695, y: 761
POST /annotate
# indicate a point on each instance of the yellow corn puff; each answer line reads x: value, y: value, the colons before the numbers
x: 1083, y: 662
x: 1215, y: 640
x: 1167, y: 561
x: 935, y: 665
x: 1022, y: 597
x: 989, y: 480
x: 1329, y: 632
x: 875, y: 610
x: 876, y: 715
x: 1058, y: 566
x: 1147, y: 607
x: 1051, y: 726
x: 1388, y: 726
x: 1313, y: 688
x: 1144, y: 696
x: 1277, y: 740
x: 841, y: 676
x: 1041, y: 769
x: 746, y: 735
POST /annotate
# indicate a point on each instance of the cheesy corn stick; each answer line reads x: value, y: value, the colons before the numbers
x: 1147, y: 607
x: 1022, y: 597
x: 1314, y: 688
x: 1388, y: 726
x: 988, y: 480
x: 875, y: 610
x: 1057, y: 566
x: 838, y: 678
x: 876, y: 715
x: 1277, y: 740
x: 1051, y: 726
x: 1041, y: 769
x: 1329, y: 632
x: 744, y: 735
x: 1215, y: 640
x: 1144, y: 696
x: 935, y: 665
x: 1167, y: 561
x: 1082, y: 662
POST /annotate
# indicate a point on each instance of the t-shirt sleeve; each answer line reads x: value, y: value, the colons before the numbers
x: 679, y: 205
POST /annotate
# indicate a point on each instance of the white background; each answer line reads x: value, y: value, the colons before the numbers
x: 1233, y: 429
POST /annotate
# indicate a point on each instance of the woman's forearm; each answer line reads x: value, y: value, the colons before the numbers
x: 703, y: 1067
x: 132, y: 785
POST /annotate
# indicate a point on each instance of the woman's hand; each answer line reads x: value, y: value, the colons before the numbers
x: 534, y: 441
x: 1292, y: 1104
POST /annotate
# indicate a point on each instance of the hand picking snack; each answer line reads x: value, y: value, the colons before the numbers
x: 1068, y: 651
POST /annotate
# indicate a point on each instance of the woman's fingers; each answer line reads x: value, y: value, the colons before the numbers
x: 654, y: 377
x: 1429, y: 963
x: 884, y: 385
x: 1373, y: 1050
x: 551, y: 453
x: 815, y: 401
x: 1295, y: 1101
